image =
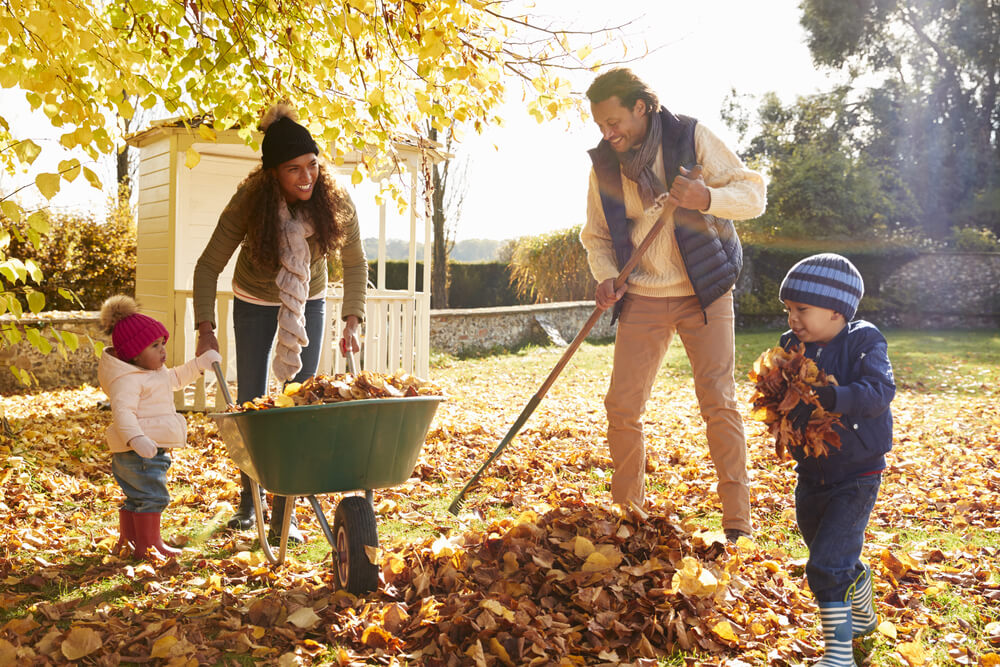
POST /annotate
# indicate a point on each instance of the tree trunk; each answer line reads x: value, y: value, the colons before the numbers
x: 439, y: 251
x: 124, y: 174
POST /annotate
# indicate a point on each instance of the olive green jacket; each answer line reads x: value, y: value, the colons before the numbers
x: 230, y: 232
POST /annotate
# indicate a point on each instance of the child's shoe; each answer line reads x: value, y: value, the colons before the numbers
x: 836, y: 620
x: 147, y: 536
x: 863, y: 615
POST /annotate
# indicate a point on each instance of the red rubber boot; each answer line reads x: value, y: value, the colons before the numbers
x: 147, y: 536
x: 126, y: 532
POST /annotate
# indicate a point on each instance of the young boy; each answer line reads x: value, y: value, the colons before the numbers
x: 835, y: 494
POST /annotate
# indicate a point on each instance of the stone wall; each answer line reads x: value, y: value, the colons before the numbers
x: 944, y: 290
x: 466, y: 331
x: 938, y: 290
x: 481, y: 329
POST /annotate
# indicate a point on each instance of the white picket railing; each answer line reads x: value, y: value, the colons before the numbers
x: 395, y: 320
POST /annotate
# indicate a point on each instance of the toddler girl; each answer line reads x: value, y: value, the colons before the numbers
x: 145, y: 424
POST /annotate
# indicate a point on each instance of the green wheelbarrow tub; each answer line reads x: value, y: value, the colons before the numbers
x: 331, y: 448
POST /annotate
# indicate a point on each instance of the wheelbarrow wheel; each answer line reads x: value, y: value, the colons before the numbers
x: 354, y: 530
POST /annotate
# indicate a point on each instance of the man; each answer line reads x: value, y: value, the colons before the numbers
x: 682, y: 284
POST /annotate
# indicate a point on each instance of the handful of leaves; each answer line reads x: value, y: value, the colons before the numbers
x: 321, y: 389
x: 783, y: 378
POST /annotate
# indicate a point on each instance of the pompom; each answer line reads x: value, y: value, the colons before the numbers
x: 115, y: 309
x: 277, y: 111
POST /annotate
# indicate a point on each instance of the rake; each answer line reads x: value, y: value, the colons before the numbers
x: 667, y: 211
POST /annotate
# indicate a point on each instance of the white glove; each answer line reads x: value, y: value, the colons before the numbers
x: 143, y: 446
x: 207, y: 358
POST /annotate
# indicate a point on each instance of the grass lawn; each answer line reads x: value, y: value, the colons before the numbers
x: 465, y: 584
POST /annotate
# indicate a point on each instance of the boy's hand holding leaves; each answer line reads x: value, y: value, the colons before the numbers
x: 800, y: 414
x: 795, y: 398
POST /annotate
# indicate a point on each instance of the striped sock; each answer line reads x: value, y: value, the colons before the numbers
x: 863, y: 605
x: 836, y: 620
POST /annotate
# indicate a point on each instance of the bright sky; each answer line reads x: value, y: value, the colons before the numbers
x: 527, y: 178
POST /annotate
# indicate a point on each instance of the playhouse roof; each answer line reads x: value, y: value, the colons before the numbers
x: 406, y: 144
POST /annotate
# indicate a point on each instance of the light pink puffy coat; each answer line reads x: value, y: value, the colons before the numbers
x: 142, y: 401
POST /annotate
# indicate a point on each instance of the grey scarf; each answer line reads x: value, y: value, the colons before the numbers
x: 637, y: 163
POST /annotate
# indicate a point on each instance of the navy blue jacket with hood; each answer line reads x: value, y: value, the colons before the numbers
x: 858, y: 358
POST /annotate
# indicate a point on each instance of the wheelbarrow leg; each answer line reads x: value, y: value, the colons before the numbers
x: 322, y: 521
x: 370, y: 497
x: 262, y: 528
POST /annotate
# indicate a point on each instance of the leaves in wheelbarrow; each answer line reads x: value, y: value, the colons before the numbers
x: 321, y: 389
x: 783, y: 379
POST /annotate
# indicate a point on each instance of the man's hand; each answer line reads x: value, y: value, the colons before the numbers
x: 143, y: 446
x: 206, y: 339
x: 349, y: 340
x: 606, y: 294
x: 690, y: 192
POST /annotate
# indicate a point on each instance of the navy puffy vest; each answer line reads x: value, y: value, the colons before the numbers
x: 710, y: 247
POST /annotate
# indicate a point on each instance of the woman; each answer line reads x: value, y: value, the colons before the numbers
x: 287, y: 217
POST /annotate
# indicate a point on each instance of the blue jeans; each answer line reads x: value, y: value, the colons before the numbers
x: 143, y: 481
x: 254, y: 327
x: 832, y: 519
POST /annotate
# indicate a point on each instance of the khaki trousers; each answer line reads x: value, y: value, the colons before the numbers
x: 645, y: 330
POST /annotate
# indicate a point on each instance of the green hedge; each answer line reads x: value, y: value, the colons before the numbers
x: 472, y: 285
x: 82, y: 253
x: 488, y: 284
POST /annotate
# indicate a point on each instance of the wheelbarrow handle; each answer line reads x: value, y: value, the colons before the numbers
x: 222, y: 383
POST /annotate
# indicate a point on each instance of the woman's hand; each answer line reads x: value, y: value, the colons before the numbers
x: 206, y: 339
x: 349, y: 341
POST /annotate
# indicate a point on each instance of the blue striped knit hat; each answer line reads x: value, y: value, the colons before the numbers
x: 826, y: 280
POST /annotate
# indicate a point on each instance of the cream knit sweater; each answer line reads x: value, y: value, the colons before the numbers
x: 737, y: 193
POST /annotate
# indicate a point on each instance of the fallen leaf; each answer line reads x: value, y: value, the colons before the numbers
x: 304, y: 617
x: 582, y: 547
x: 887, y: 629
x: 80, y: 642
x: 724, y: 630
x: 596, y: 562
x: 913, y: 653
x: 162, y: 646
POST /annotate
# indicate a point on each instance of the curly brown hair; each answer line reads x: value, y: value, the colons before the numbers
x: 330, y: 210
x: 622, y: 83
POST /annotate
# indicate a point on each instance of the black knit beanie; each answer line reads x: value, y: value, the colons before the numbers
x: 284, y: 139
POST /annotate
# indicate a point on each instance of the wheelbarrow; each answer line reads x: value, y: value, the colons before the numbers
x: 351, y: 446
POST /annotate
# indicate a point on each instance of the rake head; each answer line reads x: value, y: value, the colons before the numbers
x: 459, y: 500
